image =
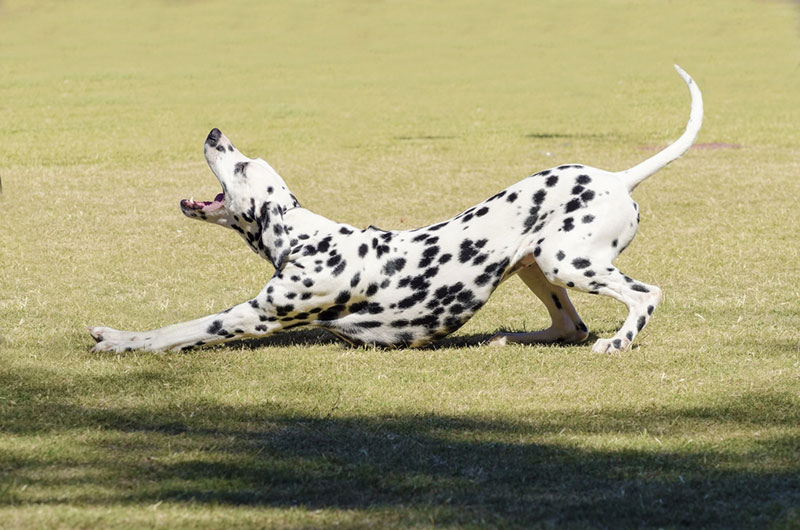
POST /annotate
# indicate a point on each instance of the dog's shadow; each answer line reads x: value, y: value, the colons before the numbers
x: 306, y: 337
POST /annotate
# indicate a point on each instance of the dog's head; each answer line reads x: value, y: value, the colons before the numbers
x: 253, y: 201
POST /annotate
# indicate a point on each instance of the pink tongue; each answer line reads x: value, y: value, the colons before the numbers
x: 217, y: 204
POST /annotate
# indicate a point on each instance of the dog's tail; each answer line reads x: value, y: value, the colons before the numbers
x: 633, y: 176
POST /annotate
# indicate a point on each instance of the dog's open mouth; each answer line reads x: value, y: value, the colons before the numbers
x: 205, y: 206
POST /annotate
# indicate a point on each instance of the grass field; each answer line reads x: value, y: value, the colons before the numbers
x: 396, y: 114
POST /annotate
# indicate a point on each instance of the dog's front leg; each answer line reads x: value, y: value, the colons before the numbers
x: 250, y: 319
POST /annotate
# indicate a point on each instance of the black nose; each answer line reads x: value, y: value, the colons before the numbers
x: 213, y: 137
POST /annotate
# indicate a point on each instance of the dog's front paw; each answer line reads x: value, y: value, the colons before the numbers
x: 611, y: 345
x: 116, y: 341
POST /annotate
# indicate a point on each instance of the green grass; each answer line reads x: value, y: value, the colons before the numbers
x: 396, y: 114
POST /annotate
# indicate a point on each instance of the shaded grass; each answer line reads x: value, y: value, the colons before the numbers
x: 399, y: 115
x: 546, y: 465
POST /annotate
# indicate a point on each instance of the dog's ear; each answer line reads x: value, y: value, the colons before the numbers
x: 274, y: 236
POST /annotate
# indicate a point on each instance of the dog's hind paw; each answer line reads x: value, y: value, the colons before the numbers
x: 611, y: 345
x: 498, y: 340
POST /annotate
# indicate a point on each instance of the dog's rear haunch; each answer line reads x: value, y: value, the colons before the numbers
x: 560, y: 228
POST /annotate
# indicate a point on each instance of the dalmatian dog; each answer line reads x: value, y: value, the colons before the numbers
x: 560, y: 228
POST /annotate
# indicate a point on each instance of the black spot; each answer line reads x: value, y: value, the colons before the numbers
x: 284, y: 310
x: 568, y: 224
x: 560, y: 256
x: 333, y: 260
x: 577, y: 190
x: 587, y: 219
x: 617, y: 343
x: 465, y: 296
x: 372, y: 289
x: 583, y: 179
x: 572, y: 205
x: 483, y: 279
x: 346, y: 231
x: 511, y: 197
x: 412, y: 300
x: 362, y: 250
x: 640, y: 288
x: 214, y: 328
x: 254, y: 303
x: 342, y: 297
x: 404, y: 339
x: 399, y: 323
x: 496, y: 196
x: 581, y: 263
x: 539, y: 196
x: 629, y: 335
x: 358, y: 307
x: 614, y: 243
x: 444, y: 258
x: 308, y: 282
x: 332, y: 313
x: 374, y: 308
x: 483, y: 211
x: 239, y: 168
x: 551, y: 181
x: 640, y: 324
x: 428, y: 321
x: 468, y: 251
x: 456, y: 309
x: 428, y: 255
x: 393, y: 266
x: 537, y: 251
x: 587, y: 195
x: 368, y: 324
x: 556, y: 301
x: 589, y: 274
x: 339, y: 268
x: 355, y: 279
x: 421, y: 237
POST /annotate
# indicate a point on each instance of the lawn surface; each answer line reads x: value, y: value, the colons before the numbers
x: 396, y: 114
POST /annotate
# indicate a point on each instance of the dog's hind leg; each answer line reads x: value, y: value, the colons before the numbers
x: 640, y: 298
x: 566, y: 325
